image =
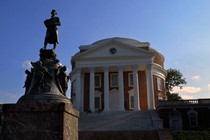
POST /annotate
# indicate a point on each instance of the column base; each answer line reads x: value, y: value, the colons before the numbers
x: 137, y: 109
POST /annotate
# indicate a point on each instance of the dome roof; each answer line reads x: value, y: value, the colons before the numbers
x: 124, y: 40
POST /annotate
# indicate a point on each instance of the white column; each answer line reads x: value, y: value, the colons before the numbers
x: 121, y: 88
x: 136, y: 88
x: 92, y: 89
x: 150, y: 88
x: 78, y: 88
x: 82, y: 91
x: 106, y: 88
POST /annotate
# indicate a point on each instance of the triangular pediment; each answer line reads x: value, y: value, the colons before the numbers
x: 113, y: 48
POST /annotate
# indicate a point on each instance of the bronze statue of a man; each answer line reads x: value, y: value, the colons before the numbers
x: 52, y: 31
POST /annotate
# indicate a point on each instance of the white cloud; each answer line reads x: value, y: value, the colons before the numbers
x: 26, y: 64
x: 186, y: 89
x: 195, y: 77
x: 208, y: 86
x: 187, y: 97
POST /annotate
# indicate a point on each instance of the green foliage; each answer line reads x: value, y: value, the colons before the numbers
x: 174, y: 79
x: 173, y: 96
x: 191, y: 135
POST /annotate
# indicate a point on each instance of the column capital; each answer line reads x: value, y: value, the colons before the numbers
x: 92, y: 69
x: 135, y: 67
x: 120, y: 67
x: 149, y: 66
x: 106, y: 68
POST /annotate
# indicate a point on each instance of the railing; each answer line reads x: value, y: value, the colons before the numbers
x: 184, y: 102
x: 154, y: 126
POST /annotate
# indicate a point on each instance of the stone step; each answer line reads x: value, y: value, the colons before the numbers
x: 116, y: 121
x: 119, y: 135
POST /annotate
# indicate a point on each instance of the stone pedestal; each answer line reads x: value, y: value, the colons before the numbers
x: 43, y: 112
x: 37, y: 120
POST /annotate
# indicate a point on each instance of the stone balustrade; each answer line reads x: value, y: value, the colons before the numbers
x: 190, y: 102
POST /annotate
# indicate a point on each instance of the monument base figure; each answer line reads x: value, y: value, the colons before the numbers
x: 47, y: 80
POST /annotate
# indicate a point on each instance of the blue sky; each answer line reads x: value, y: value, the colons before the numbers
x: 179, y: 29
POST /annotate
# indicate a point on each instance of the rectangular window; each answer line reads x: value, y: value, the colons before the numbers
x: 114, y: 79
x: 97, y: 81
x: 159, y: 84
x: 130, y: 79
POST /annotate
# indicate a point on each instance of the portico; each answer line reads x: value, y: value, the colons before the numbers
x: 111, y: 75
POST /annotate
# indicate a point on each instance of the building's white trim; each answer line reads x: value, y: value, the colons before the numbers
x: 159, y: 71
x: 112, y: 41
x: 159, y: 84
x: 110, y: 63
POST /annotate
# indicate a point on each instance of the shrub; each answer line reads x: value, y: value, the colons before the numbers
x: 191, y: 135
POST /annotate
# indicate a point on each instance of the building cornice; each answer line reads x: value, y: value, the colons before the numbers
x: 159, y: 71
x: 91, y: 48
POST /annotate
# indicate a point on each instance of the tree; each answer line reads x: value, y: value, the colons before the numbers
x: 173, y: 96
x: 174, y: 79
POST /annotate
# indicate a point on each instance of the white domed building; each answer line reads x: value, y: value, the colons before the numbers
x: 117, y: 74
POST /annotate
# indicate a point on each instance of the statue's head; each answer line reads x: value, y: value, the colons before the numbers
x: 54, y: 12
x: 63, y: 69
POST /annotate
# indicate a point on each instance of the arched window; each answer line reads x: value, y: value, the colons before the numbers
x: 193, y: 119
x: 175, y: 120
